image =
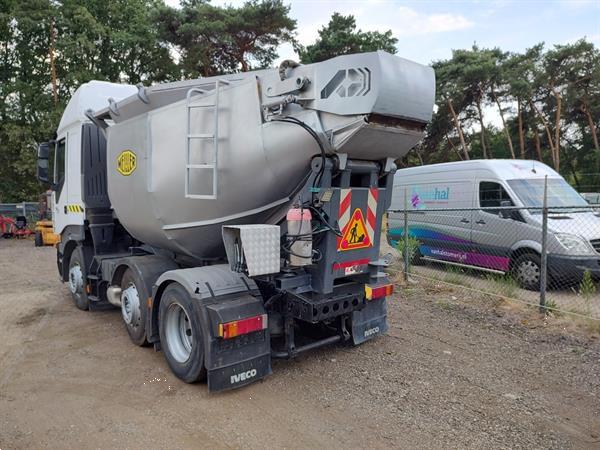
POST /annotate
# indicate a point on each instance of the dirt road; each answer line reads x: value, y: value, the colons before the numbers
x: 445, y: 376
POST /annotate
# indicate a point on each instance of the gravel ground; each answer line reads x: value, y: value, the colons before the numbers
x: 449, y: 374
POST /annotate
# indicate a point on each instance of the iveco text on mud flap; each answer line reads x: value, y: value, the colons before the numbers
x: 236, y: 219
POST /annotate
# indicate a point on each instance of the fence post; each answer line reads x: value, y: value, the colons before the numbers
x: 544, y: 255
x: 406, y: 252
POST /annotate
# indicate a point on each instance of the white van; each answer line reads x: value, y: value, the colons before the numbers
x: 444, y: 201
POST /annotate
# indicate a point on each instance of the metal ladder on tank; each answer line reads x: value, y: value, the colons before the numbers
x: 214, y: 165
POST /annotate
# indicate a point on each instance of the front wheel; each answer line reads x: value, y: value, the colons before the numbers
x: 181, y: 334
x: 527, y: 270
x: 77, y: 279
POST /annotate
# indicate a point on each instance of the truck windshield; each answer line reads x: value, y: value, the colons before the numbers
x: 561, y: 196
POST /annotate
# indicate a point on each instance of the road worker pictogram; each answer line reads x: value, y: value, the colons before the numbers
x: 355, y: 234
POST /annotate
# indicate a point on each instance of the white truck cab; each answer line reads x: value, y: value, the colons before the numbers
x: 66, y: 196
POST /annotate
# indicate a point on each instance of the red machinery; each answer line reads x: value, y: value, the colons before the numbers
x: 10, y: 227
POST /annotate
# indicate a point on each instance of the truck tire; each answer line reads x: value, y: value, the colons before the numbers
x: 527, y: 271
x: 77, y: 279
x: 39, y: 239
x: 181, y: 334
x: 133, y: 307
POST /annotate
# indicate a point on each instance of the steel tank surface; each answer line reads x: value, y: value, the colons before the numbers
x: 167, y: 144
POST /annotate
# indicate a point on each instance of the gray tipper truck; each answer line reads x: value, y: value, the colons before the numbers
x: 236, y: 219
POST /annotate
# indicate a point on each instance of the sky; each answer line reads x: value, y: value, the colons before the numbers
x: 428, y: 30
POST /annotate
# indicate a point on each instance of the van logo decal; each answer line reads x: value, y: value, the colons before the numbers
x: 126, y: 162
x: 420, y: 198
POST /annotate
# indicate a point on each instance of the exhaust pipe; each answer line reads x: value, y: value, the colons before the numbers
x: 113, y: 294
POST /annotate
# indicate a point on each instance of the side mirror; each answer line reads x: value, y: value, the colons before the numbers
x: 506, y: 213
x: 42, y: 162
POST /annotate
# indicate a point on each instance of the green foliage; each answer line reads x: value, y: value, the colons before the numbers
x: 455, y: 275
x: 213, y: 40
x: 552, y: 306
x: 504, y: 285
x: 133, y: 41
x: 549, y: 99
x: 526, y: 89
x: 340, y: 37
x: 587, y: 289
x: 410, y: 245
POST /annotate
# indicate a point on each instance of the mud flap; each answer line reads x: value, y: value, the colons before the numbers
x: 236, y: 362
x: 239, y: 374
x: 370, y: 321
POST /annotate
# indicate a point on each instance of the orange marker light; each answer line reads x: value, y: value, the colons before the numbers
x: 373, y: 292
x: 243, y: 326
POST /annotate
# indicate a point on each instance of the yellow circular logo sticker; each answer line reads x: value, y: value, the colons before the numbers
x: 126, y: 162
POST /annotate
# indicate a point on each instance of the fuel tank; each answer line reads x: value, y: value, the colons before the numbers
x: 186, y: 158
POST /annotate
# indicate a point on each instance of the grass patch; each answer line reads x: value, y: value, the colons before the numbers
x: 504, y: 285
x: 455, y: 275
x: 587, y: 290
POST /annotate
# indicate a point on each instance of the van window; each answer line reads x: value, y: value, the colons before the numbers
x: 491, y: 195
x: 560, y: 193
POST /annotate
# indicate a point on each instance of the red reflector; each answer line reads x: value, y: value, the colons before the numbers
x: 372, y: 292
x: 243, y: 326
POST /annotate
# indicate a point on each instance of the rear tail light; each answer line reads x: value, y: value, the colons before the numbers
x: 235, y: 328
x: 373, y: 292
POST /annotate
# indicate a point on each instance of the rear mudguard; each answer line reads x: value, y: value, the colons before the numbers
x: 369, y: 322
x: 223, y: 296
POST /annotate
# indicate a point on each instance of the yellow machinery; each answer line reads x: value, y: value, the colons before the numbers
x: 44, y: 228
x: 44, y: 233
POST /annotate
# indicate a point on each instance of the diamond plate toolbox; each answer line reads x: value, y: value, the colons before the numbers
x: 252, y: 249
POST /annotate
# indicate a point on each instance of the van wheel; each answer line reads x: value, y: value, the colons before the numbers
x: 77, y: 279
x: 181, y: 335
x: 133, y: 307
x: 527, y: 270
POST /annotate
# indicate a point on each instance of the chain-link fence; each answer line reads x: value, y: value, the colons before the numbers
x: 545, y: 254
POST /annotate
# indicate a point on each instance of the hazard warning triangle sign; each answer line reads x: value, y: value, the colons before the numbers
x: 355, y: 233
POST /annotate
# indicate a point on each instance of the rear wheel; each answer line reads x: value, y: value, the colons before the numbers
x: 527, y: 270
x: 181, y: 334
x: 133, y: 306
x: 77, y: 279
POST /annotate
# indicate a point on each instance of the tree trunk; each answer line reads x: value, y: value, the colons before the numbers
x: 52, y: 66
x: 521, y: 131
x: 459, y: 129
x: 243, y: 62
x: 557, y: 129
x: 420, y: 157
x: 538, y: 147
x: 506, y: 132
x: 483, y: 146
x: 453, y: 147
x: 586, y: 110
x: 548, y: 133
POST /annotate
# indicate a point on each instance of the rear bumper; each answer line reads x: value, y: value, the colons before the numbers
x: 572, y: 268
